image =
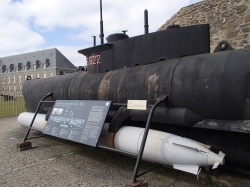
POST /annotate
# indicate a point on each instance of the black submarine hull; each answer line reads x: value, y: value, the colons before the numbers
x: 215, y: 86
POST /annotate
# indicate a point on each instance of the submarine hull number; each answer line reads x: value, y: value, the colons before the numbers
x: 94, y: 59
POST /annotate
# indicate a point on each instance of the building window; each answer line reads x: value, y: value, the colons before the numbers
x: 8, y: 79
x: 8, y: 88
x: 20, y: 87
x: 19, y: 78
x: 37, y: 76
x: 14, y: 88
x: 14, y: 79
x: 3, y: 80
x: 3, y: 88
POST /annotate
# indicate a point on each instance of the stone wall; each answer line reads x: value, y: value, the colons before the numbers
x: 229, y: 20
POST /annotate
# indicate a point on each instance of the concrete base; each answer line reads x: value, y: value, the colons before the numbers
x: 23, y: 146
x: 138, y: 183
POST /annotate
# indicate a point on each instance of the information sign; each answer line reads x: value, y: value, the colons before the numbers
x: 78, y: 120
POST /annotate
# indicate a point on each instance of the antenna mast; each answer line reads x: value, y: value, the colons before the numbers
x: 146, y: 21
x: 101, y: 24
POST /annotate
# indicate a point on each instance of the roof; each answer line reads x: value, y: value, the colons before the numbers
x: 53, y: 57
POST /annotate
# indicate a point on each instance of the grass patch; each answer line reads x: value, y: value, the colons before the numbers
x: 12, y: 108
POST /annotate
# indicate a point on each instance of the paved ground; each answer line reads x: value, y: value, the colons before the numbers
x: 56, y: 162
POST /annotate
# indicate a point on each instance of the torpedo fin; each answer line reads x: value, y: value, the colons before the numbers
x: 194, y: 169
x: 189, y: 147
x: 216, y: 165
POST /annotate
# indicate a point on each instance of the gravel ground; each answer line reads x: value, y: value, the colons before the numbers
x: 56, y: 162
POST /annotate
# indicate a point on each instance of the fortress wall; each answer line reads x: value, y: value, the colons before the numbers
x: 229, y: 20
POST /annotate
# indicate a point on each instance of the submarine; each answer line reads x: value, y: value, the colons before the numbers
x: 208, y: 94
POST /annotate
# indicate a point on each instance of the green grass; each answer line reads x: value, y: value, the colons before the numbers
x: 12, y: 108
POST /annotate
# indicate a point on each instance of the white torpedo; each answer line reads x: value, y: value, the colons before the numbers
x: 165, y: 148
x: 182, y: 153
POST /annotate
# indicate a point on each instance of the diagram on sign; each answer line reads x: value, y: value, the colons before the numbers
x: 64, y: 117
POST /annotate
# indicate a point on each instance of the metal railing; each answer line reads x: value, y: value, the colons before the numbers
x: 11, y: 103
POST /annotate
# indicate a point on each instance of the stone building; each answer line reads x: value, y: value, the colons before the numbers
x: 229, y: 20
x: 15, y: 69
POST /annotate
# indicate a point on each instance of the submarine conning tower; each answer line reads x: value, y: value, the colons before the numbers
x: 123, y: 52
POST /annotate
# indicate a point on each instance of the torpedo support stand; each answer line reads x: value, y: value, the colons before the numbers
x: 143, y: 143
x: 28, y: 145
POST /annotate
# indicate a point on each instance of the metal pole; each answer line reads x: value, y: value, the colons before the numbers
x: 146, y: 21
x: 145, y: 135
x: 94, y: 40
x: 15, y: 101
x: 38, y: 107
x: 101, y: 24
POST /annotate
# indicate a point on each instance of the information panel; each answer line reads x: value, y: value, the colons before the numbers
x: 78, y: 120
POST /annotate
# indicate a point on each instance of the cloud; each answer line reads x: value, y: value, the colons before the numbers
x: 17, y: 36
x: 25, y: 24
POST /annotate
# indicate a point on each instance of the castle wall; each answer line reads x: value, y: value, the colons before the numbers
x: 229, y: 20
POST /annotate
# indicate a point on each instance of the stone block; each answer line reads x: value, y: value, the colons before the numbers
x: 220, y: 22
x: 233, y: 25
x: 241, y: 37
x: 241, y: 9
x: 245, y: 25
x: 227, y: 13
x: 233, y: 18
x: 246, y: 29
x: 223, y: 27
x: 236, y: 2
x: 232, y: 34
x: 247, y: 19
x: 223, y: 35
x: 244, y: 42
x: 247, y: 47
